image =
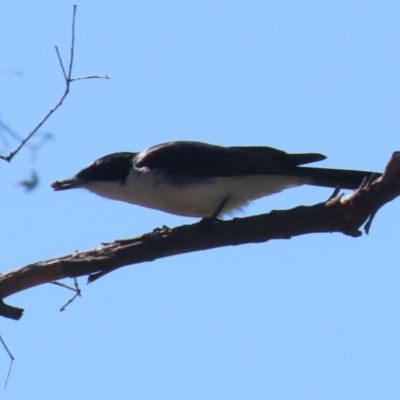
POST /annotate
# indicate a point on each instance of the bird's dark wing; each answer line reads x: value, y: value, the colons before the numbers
x: 293, y: 160
x: 201, y: 159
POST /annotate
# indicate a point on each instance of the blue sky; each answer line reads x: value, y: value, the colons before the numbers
x: 315, y: 317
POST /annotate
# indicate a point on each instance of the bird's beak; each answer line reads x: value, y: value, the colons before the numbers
x: 71, y: 183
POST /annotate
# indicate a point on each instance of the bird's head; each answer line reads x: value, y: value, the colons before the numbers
x: 111, y: 168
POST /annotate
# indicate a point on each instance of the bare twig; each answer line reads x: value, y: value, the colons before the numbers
x: 74, y: 289
x: 80, y: 78
x: 64, y: 285
x: 71, y: 59
x: 11, y: 360
x: 77, y: 293
x: 68, y: 80
x: 61, y: 64
x: 338, y: 214
x: 335, y: 193
x: 70, y: 301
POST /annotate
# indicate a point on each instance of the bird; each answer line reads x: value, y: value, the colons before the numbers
x: 203, y: 180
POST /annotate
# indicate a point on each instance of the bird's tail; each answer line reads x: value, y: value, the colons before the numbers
x: 346, y: 179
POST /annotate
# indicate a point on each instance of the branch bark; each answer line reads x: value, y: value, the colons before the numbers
x: 337, y: 214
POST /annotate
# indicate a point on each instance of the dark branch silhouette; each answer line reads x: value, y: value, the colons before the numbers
x: 337, y: 214
x: 68, y: 79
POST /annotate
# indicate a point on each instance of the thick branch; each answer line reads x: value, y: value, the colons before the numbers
x: 335, y: 215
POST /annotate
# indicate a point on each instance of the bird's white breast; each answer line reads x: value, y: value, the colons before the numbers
x: 199, y: 198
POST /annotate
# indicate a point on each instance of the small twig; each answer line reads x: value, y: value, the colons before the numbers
x: 61, y: 64
x: 70, y: 301
x: 368, y: 224
x: 80, y: 78
x: 68, y: 81
x: 75, y: 289
x: 71, y: 61
x: 11, y: 361
x: 335, y: 193
x: 64, y: 285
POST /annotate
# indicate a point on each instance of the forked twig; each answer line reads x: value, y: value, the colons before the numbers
x: 74, y: 289
x: 68, y: 80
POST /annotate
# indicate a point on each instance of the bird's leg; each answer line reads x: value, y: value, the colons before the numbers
x: 214, y: 217
x: 220, y: 207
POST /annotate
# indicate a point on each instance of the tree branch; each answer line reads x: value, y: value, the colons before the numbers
x: 337, y: 214
x: 11, y: 360
x: 68, y: 80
